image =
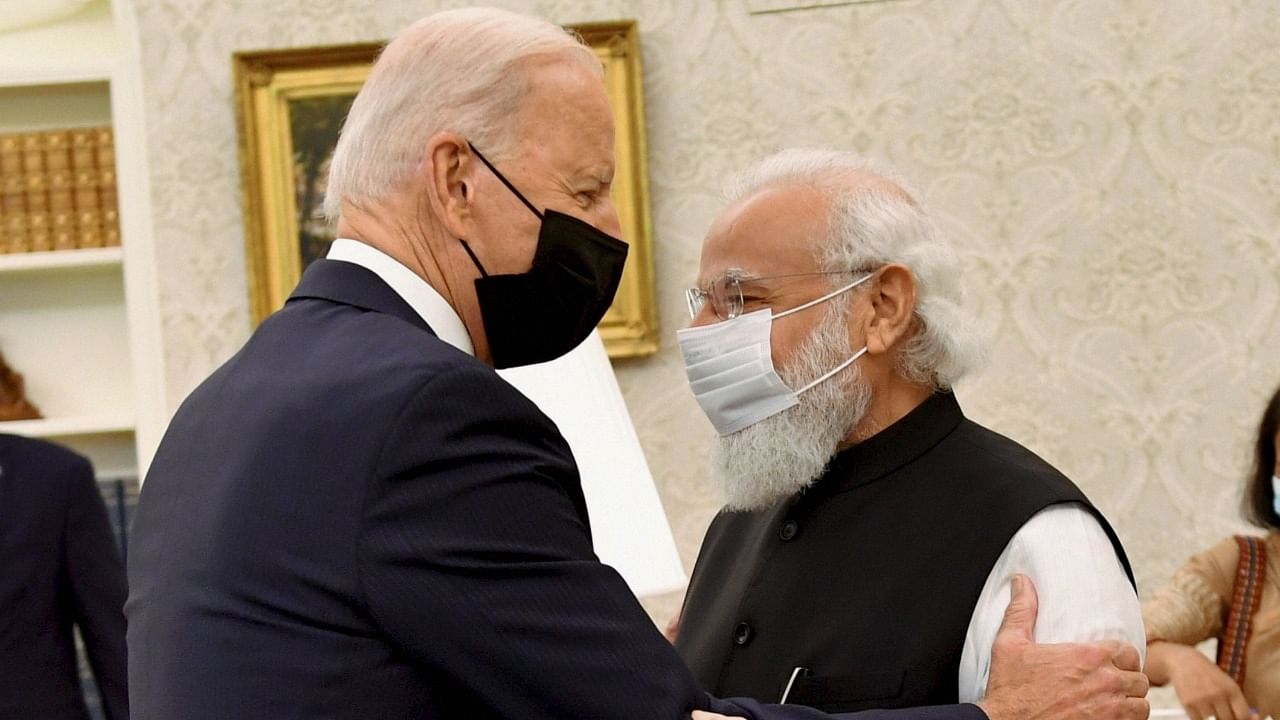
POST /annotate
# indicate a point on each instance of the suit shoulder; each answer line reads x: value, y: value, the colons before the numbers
x: 41, y: 453
x: 476, y: 386
x: 41, y: 466
x: 998, y: 461
x: 345, y: 344
x: 468, y: 414
x: 382, y: 338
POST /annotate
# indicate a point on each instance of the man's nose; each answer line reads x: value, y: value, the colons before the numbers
x: 706, y: 316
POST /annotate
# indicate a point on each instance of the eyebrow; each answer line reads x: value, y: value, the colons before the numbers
x: 756, y: 285
x: 736, y: 273
x: 741, y: 275
x: 602, y: 174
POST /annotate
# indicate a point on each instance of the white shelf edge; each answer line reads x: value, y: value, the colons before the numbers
x: 58, y: 76
x: 69, y: 426
x: 61, y: 260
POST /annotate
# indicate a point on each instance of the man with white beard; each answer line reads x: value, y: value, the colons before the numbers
x: 870, y: 533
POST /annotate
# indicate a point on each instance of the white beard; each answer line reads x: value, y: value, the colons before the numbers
x: 784, y: 454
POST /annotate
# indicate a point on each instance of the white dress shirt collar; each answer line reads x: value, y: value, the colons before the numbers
x: 415, y: 291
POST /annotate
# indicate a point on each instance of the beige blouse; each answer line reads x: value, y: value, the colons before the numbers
x: 1193, y: 607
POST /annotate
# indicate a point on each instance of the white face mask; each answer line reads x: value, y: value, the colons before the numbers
x: 730, y: 367
x: 1275, y: 495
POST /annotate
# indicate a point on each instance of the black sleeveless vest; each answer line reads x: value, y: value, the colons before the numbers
x: 867, y: 581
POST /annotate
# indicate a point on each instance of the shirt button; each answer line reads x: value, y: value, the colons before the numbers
x: 789, y: 530
x: 743, y: 634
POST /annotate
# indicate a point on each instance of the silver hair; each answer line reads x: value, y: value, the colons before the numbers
x: 458, y: 70
x: 876, y: 220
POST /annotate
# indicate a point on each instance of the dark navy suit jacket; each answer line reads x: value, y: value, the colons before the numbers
x: 353, y: 519
x: 59, y: 569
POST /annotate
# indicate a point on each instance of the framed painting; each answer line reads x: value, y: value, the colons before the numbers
x: 290, y: 107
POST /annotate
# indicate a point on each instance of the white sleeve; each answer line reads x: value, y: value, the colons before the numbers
x: 1084, y: 592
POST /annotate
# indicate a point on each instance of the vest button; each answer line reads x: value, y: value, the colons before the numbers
x: 743, y: 634
x: 789, y: 530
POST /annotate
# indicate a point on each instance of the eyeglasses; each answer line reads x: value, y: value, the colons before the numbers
x: 725, y: 292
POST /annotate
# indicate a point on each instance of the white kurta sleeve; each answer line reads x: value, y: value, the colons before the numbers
x: 1084, y: 592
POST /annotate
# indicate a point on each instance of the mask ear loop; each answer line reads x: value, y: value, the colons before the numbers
x: 826, y: 297
x: 832, y: 373
x: 505, y: 181
x: 471, y: 253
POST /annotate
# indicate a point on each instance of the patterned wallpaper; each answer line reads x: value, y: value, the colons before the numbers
x: 1110, y: 169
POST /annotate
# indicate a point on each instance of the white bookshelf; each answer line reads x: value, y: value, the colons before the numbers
x: 82, y: 326
x: 72, y: 426
x: 61, y: 261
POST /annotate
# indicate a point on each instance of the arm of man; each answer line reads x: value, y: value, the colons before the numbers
x: 476, y: 563
x: 96, y: 578
x: 1084, y: 593
x: 1093, y: 681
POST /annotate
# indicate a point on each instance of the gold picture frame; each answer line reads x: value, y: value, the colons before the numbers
x: 289, y: 105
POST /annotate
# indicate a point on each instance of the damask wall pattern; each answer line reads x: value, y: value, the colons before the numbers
x: 1110, y: 170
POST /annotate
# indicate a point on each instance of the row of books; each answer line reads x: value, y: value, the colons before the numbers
x: 58, y: 190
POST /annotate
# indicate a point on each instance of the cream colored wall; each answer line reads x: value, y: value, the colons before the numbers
x: 1111, y: 169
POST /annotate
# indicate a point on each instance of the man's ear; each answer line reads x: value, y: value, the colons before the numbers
x: 448, y: 168
x: 893, y: 308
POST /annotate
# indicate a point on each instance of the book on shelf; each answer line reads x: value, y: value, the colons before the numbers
x: 32, y: 151
x: 110, y: 214
x: 84, y: 153
x: 62, y: 222
x: 10, y: 167
x: 57, y: 149
x: 86, y: 201
x: 10, y: 154
x: 58, y: 190
x: 108, y: 194
x: 85, y: 198
x: 39, y: 238
x: 13, y: 208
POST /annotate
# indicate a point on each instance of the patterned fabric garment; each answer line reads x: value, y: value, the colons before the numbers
x: 1193, y: 606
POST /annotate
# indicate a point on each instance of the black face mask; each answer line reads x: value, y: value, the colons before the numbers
x: 539, y: 315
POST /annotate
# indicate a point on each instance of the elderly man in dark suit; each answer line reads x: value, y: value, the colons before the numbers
x: 355, y: 517
x: 59, y: 571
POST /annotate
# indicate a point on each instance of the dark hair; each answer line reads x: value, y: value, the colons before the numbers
x: 1259, y: 495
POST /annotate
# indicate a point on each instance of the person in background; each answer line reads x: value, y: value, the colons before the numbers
x: 60, y: 571
x: 1216, y: 586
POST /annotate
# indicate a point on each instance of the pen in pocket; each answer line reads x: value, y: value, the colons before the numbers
x: 794, y: 674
